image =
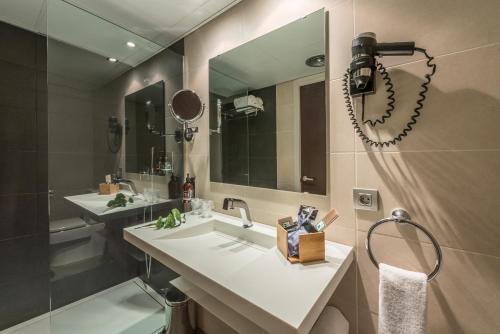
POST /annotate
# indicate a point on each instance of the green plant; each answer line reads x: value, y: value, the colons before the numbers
x: 170, y: 221
x: 159, y: 223
x: 177, y: 214
x: 119, y: 201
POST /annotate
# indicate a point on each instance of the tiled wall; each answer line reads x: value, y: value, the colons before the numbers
x: 249, y: 144
x: 287, y: 144
x: 70, y: 106
x: 24, y: 274
x: 445, y: 173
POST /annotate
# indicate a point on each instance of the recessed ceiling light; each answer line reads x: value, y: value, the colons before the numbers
x: 316, y: 61
x: 131, y: 44
x: 112, y: 60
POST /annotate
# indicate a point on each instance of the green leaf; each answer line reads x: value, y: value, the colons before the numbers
x: 169, y: 221
x: 177, y: 214
x: 159, y: 222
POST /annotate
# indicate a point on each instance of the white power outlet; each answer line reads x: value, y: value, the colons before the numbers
x: 365, y: 199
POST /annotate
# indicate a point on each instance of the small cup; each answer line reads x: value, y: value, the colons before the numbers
x: 207, y: 207
x: 196, y: 206
x: 151, y: 195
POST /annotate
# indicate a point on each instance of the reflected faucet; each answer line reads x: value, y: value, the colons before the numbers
x: 129, y: 183
x: 231, y: 203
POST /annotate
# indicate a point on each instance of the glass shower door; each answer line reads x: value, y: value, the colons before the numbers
x: 97, y: 282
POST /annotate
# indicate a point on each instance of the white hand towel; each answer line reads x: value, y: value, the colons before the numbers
x: 402, y: 301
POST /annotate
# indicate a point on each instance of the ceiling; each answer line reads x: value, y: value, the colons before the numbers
x: 276, y: 57
x: 160, y: 21
x: 105, y: 26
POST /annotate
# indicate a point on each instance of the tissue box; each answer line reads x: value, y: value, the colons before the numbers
x: 108, y: 188
x: 311, y: 245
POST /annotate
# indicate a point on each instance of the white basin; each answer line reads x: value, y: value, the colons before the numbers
x: 219, y: 229
x: 216, y: 246
x: 243, y: 270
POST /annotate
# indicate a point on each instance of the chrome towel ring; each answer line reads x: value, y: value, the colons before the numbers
x: 401, y: 216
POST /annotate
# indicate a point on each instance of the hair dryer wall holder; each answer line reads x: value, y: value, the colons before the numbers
x: 359, y: 80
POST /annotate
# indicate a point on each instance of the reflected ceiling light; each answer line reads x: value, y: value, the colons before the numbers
x: 112, y: 60
x: 131, y: 44
x: 316, y: 61
x: 148, y: 102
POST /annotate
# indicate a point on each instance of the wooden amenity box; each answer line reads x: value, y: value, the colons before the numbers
x: 311, y: 245
x: 108, y: 188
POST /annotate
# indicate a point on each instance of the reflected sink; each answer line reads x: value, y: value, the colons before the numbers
x: 96, y: 204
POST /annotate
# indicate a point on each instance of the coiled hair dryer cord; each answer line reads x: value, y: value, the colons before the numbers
x: 390, y: 105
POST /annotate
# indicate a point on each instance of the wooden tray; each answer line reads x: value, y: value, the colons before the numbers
x: 311, y: 245
x: 108, y: 188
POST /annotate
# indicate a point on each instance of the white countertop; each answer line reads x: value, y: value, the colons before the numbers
x: 257, y: 282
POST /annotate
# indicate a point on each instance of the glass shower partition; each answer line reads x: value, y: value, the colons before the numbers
x: 98, y: 282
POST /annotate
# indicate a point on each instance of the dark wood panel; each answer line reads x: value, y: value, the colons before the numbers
x: 313, y: 137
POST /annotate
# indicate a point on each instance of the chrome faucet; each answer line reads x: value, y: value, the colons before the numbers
x: 129, y: 183
x: 231, y: 203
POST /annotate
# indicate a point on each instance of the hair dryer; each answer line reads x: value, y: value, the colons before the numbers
x: 363, y: 66
x: 359, y: 80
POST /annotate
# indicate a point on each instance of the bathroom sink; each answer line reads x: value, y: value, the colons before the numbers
x: 216, y: 246
x: 242, y: 269
x: 219, y: 229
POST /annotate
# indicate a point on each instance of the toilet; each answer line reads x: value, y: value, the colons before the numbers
x: 74, y: 239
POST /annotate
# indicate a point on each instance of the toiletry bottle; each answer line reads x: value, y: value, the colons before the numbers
x: 194, y: 185
x: 160, y: 168
x: 188, y: 194
x: 172, y: 187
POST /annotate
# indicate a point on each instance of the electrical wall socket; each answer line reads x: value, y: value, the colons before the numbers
x: 365, y: 199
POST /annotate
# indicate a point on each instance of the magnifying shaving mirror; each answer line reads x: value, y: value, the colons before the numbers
x: 186, y: 107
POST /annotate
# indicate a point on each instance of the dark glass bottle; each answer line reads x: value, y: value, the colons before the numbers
x: 188, y: 194
x: 174, y: 187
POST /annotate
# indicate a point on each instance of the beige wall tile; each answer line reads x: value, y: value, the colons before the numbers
x: 447, y: 192
x: 346, y: 290
x: 341, y: 129
x: 344, y: 298
x: 444, y: 190
x: 197, y: 165
x: 367, y: 321
x: 463, y: 298
x: 214, y: 38
x: 442, y: 27
x: 461, y: 112
x: 340, y: 234
x: 197, y: 79
x: 263, y: 16
x: 210, y: 324
x: 341, y: 33
x: 284, y: 93
x: 285, y: 203
x: 342, y: 182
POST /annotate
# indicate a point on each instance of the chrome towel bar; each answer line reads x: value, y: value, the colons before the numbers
x: 401, y: 216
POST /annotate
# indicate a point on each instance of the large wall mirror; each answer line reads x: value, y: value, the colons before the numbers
x: 268, y: 122
x: 152, y: 147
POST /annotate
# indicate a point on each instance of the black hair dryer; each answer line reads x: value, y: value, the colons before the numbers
x: 359, y: 80
x: 363, y: 66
